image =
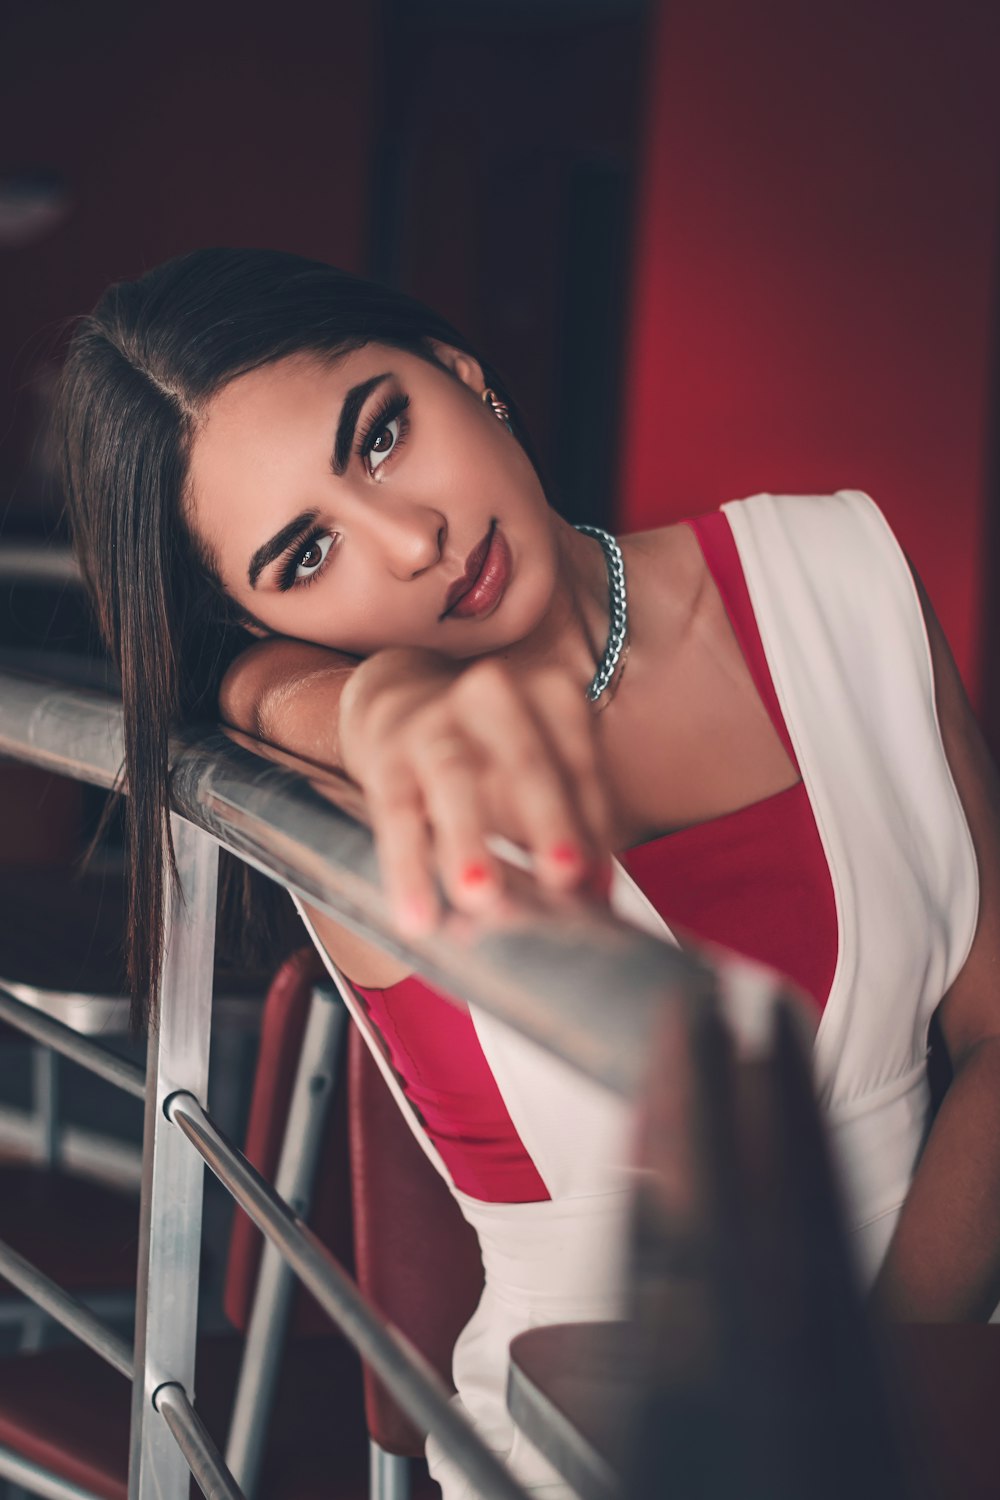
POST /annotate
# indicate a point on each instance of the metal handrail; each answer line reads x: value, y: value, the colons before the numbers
x: 404, y: 1371
x: 547, y: 972
x: 35, y: 563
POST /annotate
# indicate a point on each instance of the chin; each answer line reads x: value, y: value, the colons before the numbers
x: 519, y: 618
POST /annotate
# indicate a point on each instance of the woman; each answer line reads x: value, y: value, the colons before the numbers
x: 774, y: 742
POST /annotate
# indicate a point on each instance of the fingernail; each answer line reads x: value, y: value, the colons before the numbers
x: 566, y: 854
x: 415, y: 917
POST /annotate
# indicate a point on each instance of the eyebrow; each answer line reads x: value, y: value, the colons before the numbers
x: 277, y: 544
x: 351, y: 410
x: 349, y: 414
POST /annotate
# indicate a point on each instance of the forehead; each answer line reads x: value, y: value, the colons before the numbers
x: 271, y: 397
x: 261, y: 437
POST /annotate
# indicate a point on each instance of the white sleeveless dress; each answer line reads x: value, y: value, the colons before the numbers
x: 845, y: 642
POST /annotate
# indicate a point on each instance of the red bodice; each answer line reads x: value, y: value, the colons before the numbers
x: 755, y: 880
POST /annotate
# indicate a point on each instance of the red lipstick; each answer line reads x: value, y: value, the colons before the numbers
x: 481, y: 586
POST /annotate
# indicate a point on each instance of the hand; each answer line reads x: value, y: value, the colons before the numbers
x: 450, y: 753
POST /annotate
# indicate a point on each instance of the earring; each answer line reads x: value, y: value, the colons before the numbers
x: 500, y: 408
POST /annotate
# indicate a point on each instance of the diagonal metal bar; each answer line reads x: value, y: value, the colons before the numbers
x: 66, y: 1309
x: 546, y: 970
x: 69, y: 1043
x: 37, y: 1480
x: 192, y: 1437
x: 312, y: 1092
x: 404, y: 1371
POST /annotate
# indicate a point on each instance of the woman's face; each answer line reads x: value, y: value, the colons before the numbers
x: 350, y: 501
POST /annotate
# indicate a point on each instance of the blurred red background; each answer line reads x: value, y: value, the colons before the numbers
x: 815, y: 298
x: 715, y: 248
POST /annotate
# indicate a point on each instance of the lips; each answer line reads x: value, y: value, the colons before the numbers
x: 483, y: 581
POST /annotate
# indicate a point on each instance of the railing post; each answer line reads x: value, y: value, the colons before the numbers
x: 172, y: 1174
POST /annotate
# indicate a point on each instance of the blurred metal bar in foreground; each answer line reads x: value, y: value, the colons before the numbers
x: 752, y: 1361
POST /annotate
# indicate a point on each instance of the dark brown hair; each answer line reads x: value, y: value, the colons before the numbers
x: 139, y: 373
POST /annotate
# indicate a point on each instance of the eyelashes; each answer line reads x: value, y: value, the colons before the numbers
x: 288, y: 577
x: 390, y: 409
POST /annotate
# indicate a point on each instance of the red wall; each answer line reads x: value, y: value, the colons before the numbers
x: 175, y: 124
x: 814, y: 302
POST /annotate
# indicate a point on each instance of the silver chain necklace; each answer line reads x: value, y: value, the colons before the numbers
x: 617, y: 611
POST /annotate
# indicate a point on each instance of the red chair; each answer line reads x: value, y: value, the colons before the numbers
x: 67, y: 1413
x: 413, y: 1254
x: 416, y: 1258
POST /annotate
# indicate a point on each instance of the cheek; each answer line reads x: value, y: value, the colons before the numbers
x: 535, y: 599
x: 343, y: 612
x: 363, y: 611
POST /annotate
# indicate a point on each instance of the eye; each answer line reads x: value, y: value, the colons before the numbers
x: 311, y: 557
x: 384, y: 432
x: 384, y: 443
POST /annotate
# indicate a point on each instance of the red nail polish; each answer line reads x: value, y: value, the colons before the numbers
x: 566, y: 854
x: 474, y: 874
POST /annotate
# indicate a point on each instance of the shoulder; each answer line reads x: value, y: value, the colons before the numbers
x: 665, y: 567
x: 970, y: 1011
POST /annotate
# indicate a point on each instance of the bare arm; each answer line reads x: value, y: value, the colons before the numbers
x: 943, y: 1264
x: 288, y: 693
x: 447, y: 753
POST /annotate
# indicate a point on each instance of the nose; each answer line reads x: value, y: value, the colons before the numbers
x: 410, y: 537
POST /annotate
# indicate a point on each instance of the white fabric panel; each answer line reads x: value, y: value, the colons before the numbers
x: 359, y: 1016
x: 843, y: 631
x: 845, y: 642
x: 557, y: 1261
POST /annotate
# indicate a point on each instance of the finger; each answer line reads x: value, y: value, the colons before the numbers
x: 501, y: 722
x: 403, y: 844
x: 449, y: 772
x: 567, y: 720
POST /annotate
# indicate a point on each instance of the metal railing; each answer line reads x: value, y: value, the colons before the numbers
x: 547, y: 974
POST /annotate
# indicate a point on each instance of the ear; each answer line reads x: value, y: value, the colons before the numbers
x: 466, y: 369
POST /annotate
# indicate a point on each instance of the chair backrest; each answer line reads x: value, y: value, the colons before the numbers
x: 378, y: 1204
x: 283, y: 1024
x: 416, y: 1258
